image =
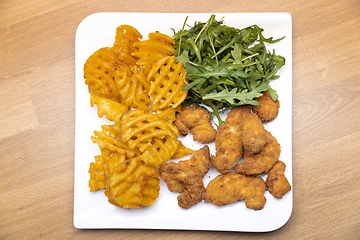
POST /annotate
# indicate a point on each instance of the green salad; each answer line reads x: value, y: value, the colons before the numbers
x: 226, y: 66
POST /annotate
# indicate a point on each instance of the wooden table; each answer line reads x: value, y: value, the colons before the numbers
x: 37, y: 117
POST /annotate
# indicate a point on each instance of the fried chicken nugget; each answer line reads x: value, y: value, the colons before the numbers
x: 278, y: 185
x: 261, y: 162
x: 197, y: 120
x: 228, y: 141
x: 186, y: 177
x: 253, y: 134
x: 233, y: 187
x: 268, y: 109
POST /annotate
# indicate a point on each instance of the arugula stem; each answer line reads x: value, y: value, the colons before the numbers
x: 181, y: 35
x: 195, y: 48
x: 215, y: 112
x: 210, y: 21
x: 251, y: 56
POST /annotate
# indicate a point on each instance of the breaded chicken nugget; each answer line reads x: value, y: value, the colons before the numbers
x: 253, y: 134
x: 197, y: 121
x: 186, y: 177
x: 278, y: 185
x: 261, y: 162
x: 228, y: 143
x: 268, y: 109
x: 233, y: 187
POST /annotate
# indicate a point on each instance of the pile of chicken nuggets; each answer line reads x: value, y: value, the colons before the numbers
x: 246, y: 158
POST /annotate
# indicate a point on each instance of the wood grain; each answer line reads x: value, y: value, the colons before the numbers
x: 37, y: 117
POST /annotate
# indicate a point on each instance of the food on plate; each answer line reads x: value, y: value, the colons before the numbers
x: 260, y: 162
x: 155, y: 137
x: 126, y: 168
x: 253, y: 134
x: 109, y: 138
x: 182, y: 151
x: 268, y: 109
x: 112, y: 110
x: 131, y: 183
x: 159, y: 150
x: 233, y: 187
x: 99, y: 73
x: 123, y: 46
x: 197, y: 121
x: 228, y: 141
x: 97, y: 174
x: 232, y: 67
x: 128, y: 181
x: 141, y: 86
x: 167, y: 80
x: 138, y: 127
x: 133, y: 87
x: 149, y: 52
x: 276, y: 181
x: 186, y: 177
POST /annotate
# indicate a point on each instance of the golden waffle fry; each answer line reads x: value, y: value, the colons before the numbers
x: 130, y: 182
x: 110, y: 138
x: 125, y: 38
x: 97, y: 174
x: 167, y: 80
x: 99, y: 72
x: 133, y: 87
x: 160, y: 150
x: 168, y: 114
x: 161, y: 37
x: 139, y: 128
x: 149, y: 51
x: 111, y: 109
x: 182, y: 151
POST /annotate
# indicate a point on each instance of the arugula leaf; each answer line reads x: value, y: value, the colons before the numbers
x: 234, y: 97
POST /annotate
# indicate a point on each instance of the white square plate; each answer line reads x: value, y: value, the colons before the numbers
x: 92, y: 210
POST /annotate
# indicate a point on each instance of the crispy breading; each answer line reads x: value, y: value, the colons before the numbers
x: 228, y: 143
x: 197, y: 121
x: 268, y: 109
x: 253, y: 134
x: 233, y: 187
x: 276, y: 181
x: 186, y: 177
x: 263, y: 161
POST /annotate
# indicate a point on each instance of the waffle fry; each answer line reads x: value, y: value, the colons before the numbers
x: 167, y: 80
x: 182, y: 151
x: 110, y: 138
x: 168, y: 114
x: 138, y: 128
x: 133, y: 87
x: 150, y: 51
x: 123, y: 45
x: 111, y: 109
x: 159, y: 151
x: 130, y: 182
x: 99, y: 72
x: 97, y: 174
